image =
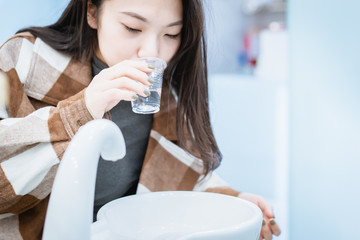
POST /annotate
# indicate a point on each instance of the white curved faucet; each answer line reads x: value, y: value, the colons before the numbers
x: 70, y: 210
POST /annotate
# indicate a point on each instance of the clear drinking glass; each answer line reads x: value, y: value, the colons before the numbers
x: 151, y: 104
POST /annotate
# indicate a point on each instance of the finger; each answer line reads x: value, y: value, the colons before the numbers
x: 274, y: 227
x: 266, y: 232
x: 131, y: 69
x: 261, y: 237
x: 129, y: 84
x: 266, y: 208
x: 140, y: 65
x: 117, y: 95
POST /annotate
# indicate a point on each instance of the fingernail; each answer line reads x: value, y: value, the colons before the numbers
x: 135, y: 97
x: 272, y: 222
x: 151, y: 66
x: 151, y: 80
x: 263, y: 223
x: 147, y: 92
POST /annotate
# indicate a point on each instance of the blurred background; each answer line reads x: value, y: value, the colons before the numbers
x: 285, y: 103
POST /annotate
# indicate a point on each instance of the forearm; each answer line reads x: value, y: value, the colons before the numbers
x: 31, y: 148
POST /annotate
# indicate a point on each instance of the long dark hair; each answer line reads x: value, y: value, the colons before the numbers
x: 186, y: 73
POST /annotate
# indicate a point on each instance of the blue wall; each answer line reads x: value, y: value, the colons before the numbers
x: 23, y: 13
x: 325, y: 119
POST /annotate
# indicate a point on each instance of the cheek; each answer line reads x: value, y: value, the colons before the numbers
x: 113, y: 46
x: 170, y: 50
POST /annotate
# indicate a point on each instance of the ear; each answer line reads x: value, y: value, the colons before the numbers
x: 92, y: 15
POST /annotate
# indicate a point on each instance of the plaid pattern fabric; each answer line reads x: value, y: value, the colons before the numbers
x: 46, y: 109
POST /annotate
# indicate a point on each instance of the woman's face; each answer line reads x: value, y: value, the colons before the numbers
x: 129, y: 29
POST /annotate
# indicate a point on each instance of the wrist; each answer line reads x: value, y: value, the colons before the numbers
x: 92, y: 113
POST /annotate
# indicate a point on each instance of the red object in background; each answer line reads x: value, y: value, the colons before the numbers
x: 250, y: 41
x: 253, y: 62
x: 247, y: 43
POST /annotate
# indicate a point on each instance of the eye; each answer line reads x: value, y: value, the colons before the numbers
x: 173, y: 36
x: 132, y: 30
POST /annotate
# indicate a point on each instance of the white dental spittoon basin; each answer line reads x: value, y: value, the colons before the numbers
x: 173, y: 215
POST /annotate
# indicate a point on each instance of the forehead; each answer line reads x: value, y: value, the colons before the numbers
x: 171, y: 10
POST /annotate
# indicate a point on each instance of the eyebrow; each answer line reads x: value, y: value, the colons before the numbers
x: 143, y: 19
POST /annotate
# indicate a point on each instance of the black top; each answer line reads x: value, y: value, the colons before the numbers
x: 120, y: 178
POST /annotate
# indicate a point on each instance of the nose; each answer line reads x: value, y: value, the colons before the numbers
x: 149, y: 47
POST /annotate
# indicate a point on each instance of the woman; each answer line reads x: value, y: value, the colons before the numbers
x: 82, y: 68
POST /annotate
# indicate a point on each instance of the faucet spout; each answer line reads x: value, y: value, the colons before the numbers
x: 70, y: 210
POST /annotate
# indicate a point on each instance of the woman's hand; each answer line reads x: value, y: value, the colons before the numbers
x: 122, y: 81
x: 269, y: 227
